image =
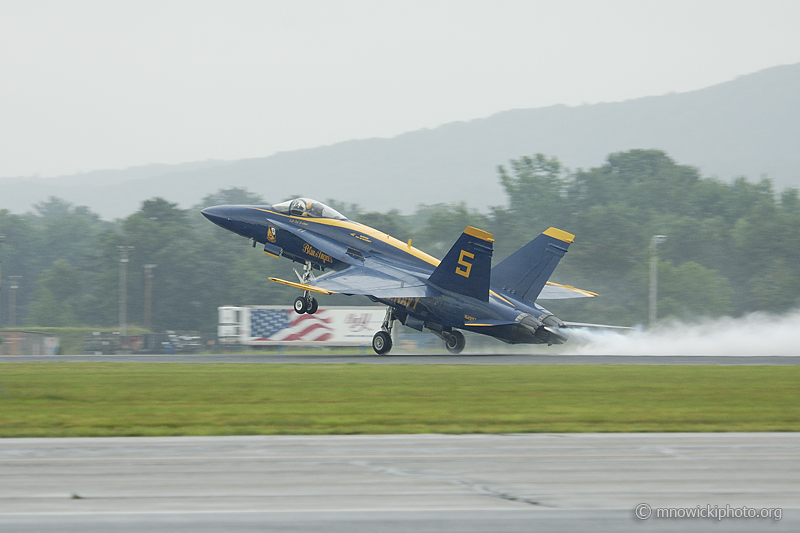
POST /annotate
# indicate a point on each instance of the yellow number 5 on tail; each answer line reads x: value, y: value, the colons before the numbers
x: 464, y: 272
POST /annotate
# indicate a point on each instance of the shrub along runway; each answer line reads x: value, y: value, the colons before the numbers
x: 126, y: 399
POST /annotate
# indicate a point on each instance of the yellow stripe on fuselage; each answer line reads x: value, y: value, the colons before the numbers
x: 500, y: 298
x: 372, y: 232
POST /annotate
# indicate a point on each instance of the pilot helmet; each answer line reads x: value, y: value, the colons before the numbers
x: 315, y: 209
x: 297, y: 207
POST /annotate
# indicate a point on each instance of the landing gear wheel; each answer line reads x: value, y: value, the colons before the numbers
x: 382, y: 342
x: 300, y: 305
x: 312, y: 306
x: 455, y: 342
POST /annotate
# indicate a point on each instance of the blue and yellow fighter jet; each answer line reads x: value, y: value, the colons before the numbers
x: 461, y: 292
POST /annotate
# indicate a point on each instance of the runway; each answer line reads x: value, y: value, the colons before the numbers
x: 417, y: 359
x: 473, y: 483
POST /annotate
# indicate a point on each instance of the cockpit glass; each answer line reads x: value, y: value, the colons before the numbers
x: 306, y: 207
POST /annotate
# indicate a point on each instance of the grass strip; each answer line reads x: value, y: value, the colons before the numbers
x: 140, y: 399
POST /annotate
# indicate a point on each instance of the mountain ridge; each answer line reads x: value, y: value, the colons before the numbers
x: 749, y: 126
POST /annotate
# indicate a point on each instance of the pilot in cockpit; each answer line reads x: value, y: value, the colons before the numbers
x: 298, y: 207
x: 315, y: 209
x: 305, y: 207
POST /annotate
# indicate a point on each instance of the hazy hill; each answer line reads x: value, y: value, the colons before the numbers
x: 749, y: 126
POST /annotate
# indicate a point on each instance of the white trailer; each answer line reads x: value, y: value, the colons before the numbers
x: 273, y: 325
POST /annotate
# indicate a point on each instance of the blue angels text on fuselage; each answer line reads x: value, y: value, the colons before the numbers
x: 461, y: 292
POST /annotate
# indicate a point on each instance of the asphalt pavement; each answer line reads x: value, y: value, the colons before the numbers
x: 539, y: 482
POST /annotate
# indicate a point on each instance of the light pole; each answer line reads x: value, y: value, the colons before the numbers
x: 654, y: 242
x: 2, y: 238
x: 12, y: 301
x: 123, y: 289
x: 148, y: 296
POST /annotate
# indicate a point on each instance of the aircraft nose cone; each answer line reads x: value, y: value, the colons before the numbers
x: 219, y: 214
x: 235, y: 218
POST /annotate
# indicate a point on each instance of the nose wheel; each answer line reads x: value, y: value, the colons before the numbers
x: 305, y: 304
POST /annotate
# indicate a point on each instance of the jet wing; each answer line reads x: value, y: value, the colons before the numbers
x: 383, y: 283
x: 554, y: 291
x: 367, y: 275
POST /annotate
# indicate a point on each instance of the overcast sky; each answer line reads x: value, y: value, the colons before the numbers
x: 92, y: 85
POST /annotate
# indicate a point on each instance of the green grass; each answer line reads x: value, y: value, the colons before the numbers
x: 107, y: 399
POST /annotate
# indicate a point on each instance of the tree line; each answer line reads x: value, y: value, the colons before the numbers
x: 731, y: 247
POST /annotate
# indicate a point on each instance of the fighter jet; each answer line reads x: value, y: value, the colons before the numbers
x: 461, y: 292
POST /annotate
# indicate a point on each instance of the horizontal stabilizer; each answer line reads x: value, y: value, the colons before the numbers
x: 467, y: 267
x: 598, y: 326
x: 525, y: 272
x: 555, y: 291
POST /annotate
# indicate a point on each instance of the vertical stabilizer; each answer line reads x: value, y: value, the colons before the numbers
x: 467, y: 267
x: 525, y: 272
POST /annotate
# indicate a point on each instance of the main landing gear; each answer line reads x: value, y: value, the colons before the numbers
x: 306, y: 303
x: 454, y: 342
x: 382, y: 340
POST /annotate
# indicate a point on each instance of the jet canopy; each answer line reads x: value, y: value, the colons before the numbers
x: 306, y: 207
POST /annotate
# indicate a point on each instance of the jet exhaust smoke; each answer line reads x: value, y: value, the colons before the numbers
x: 754, y: 334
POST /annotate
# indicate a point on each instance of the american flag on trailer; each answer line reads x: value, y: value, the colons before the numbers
x: 286, y: 325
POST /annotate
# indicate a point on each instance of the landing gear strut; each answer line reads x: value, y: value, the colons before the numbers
x: 306, y: 303
x: 382, y: 340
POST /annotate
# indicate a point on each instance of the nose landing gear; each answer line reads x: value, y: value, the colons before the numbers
x: 306, y: 303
